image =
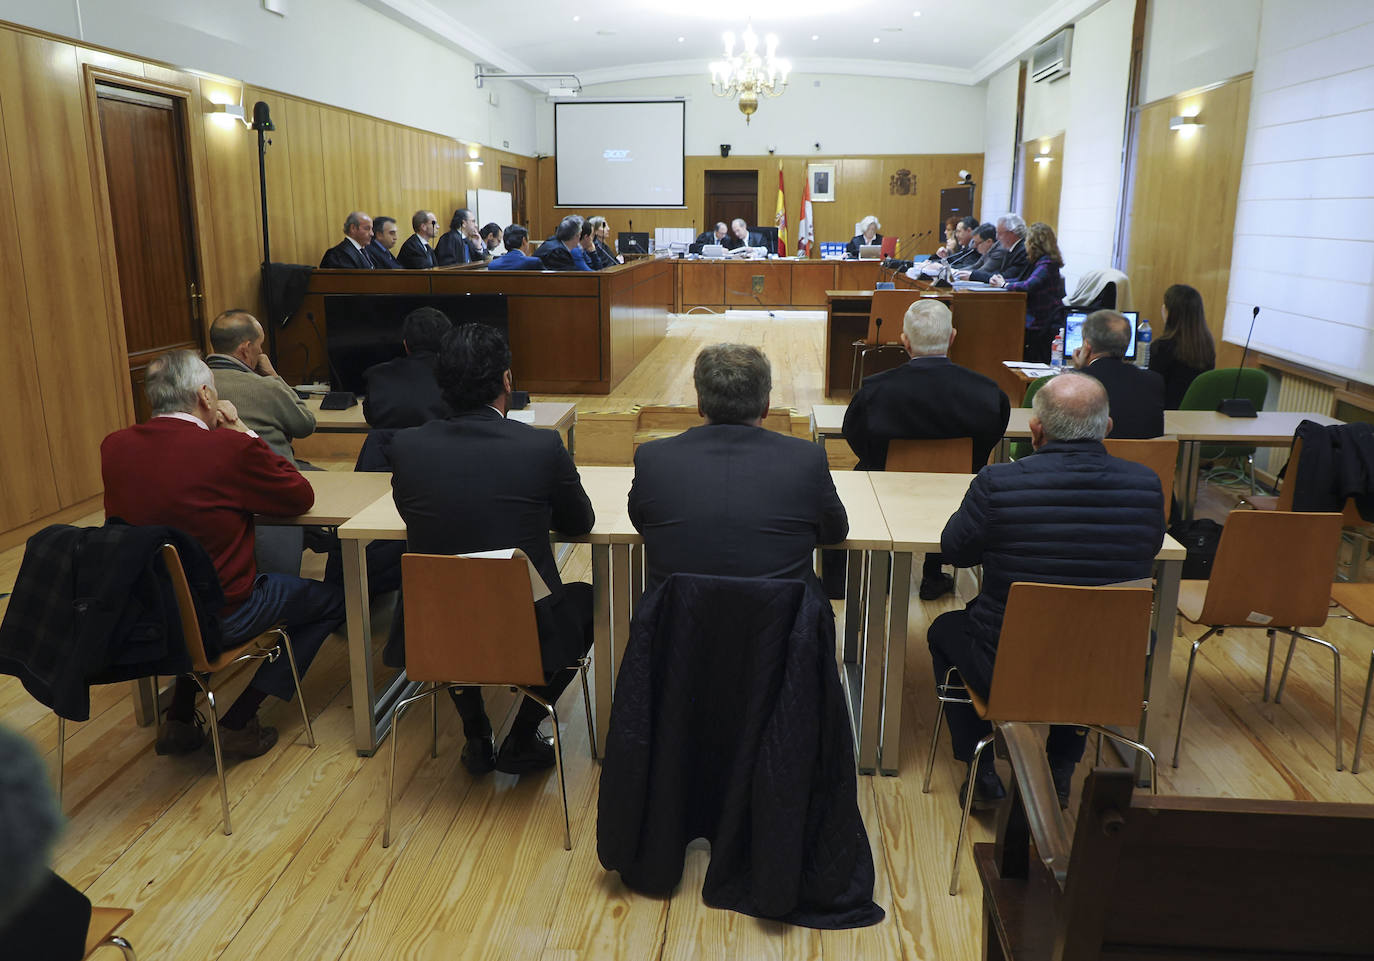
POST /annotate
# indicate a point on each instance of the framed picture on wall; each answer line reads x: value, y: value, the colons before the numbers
x: 822, y: 178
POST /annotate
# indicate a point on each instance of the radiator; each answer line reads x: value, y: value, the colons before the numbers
x: 1295, y: 393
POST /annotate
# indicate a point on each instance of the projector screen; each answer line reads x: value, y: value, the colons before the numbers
x: 620, y: 154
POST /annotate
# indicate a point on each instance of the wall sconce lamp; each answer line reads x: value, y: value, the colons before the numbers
x: 1184, y: 123
x: 225, y: 114
x: 476, y: 161
x: 1043, y: 157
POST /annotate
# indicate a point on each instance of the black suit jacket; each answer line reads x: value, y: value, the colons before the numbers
x: 731, y: 242
x: 734, y: 500
x: 851, y: 249
x: 927, y: 397
x: 454, y: 248
x: 346, y: 256
x: 1012, y: 266
x: 480, y: 482
x: 1136, y: 397
x: 381, y: 257
x: 404, y: 392
x: 416, y: 254
x: 606, y: 257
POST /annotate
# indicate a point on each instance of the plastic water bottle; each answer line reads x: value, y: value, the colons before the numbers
x: 1057, y: 349
x: 1142, y: 345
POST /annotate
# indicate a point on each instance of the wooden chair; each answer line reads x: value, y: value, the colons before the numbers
x: 1358, y: 600
x: 101, y: 933
x: 1178, y: 879
x: 1066, y: 655
x: 950, y: 455
x: 1290, y: 590
x: 473, y: 619
x: 885, y: 317
x: 259, y: 648
x: 1160, y: 454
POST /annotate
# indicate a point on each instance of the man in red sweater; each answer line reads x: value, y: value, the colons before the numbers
x: 196, y: 467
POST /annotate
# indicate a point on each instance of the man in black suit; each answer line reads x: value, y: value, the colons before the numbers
x: 731, y: 497
x: 351, y: 252
x: 479, y: 482
x: 461, y: 244
x: 741, y: 236
x: 404, y: 392
x: 416, y: 254
x: 383, y: 239
x: 1136, y: 395
x: 932, y: 397
x: 1012, y: 262
x: 717, y: 235
x: 563, y: 251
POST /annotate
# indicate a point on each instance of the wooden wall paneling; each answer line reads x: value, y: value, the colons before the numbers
x: 26, y: 469
x: 234, y: 278
x: 45, y: 129
x: 774, y: 284
x: 1183, y: 201
x: 281, y: 204
x: 1041, y: 187
x: 363, y: 136
x: 562, y: 338
x: 317, y: 229
x: 703, y: 283
x: 810, y: 282
x: 340, y: 184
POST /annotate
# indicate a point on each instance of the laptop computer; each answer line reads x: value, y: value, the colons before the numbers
x: 869, y: 252
x: 713, y: 250
x: 1073, y: 332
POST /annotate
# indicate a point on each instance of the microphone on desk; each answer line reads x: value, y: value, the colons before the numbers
x: 1234, y: 406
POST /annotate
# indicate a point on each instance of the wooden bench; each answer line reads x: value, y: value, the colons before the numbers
x: 1172, y: 878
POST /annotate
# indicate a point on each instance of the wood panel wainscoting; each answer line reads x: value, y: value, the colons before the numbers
x: 1041, y: 187
x: 570, y: 332
x: 767, y: 284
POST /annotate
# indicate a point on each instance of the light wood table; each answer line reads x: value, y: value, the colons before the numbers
x: 916, y: 507
x: 827, y: 420
x: 550, y: 415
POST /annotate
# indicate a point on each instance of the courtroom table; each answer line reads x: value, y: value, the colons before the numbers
x: 548, y: 415
x: 787, y: 282
x: 339, y: 495
x: 571, y: 332
x: 991, y: 325
x: 917, y: 507
x: 617, y: 581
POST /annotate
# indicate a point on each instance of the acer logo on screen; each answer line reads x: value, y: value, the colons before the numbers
x: 618, y: 156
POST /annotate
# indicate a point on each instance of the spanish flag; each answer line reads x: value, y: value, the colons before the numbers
x: 781, y: 217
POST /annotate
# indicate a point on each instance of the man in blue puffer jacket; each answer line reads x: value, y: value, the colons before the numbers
x: 1069, y: 514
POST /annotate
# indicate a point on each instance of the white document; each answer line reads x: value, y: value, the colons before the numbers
x: 523, y: 416
x: 538, y: 588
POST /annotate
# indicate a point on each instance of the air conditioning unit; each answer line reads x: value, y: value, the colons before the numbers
x: 1050, y: 60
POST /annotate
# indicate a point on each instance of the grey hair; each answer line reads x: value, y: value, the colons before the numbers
x: 927, y: 325
x: 738, y: 222
x: 1107, y: 332
x: 1072, y: 406
x: 870, y: 219
x: 1014, y: 223
x: 30, y: 820
x: 733, y: 382
x: 719, y: 224
x: 569, y: 228
x: 354, y: 219
x: 174, y: 379
x: 596, y: 222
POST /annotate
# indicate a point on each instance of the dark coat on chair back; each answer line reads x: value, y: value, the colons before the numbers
x: 94, y: 605
x: 480, y: 482
x: 729, y: 723
x: 733, y: 500
x: 1337, y: 464
x: 416, y: 254
x: 1136, y: 397
x: 1068, y: 514
x: 925, y: 398
x: 404, y: 392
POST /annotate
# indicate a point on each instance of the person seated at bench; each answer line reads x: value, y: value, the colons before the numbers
x: 404, y: 392
x: 516, y: 257
x: 563, y: 251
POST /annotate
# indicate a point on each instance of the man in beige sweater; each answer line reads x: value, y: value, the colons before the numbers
x: 268, y: 405
x: 244, y: 375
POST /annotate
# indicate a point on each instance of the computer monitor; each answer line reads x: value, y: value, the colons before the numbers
x: 632, y: 242
x: 1073, y: 332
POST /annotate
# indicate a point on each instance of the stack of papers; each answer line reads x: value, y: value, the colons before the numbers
x: 1032, y: 369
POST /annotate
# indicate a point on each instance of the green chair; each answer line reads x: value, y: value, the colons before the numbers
x: 1020, y: 448
x: 1213, y: 386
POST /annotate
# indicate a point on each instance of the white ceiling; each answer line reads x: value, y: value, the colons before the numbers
x: 956, y: 41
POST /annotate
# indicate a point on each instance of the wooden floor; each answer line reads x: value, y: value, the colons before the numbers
x: 476, y: 869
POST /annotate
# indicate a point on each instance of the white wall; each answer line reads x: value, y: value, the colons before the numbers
x: 1047, y: 102
x: 999, y: 142
x: 322, y: 50
x: 1301, y: 252
x: 849, y: 116
x: 1093, y: 138
x: 1190, y: 44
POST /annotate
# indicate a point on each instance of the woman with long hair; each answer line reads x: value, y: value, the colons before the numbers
x: 867, y: 235
x: 1185, y: 347
x: 1044, y: 287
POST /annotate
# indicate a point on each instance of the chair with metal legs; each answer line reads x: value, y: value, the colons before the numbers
x: 886, y: 312
x: 472, y: 618
x: 1097, y: 680
x: 202, y: 668
x: 101, y: 933
x: 1358, y: 600
x: 1289, y: 591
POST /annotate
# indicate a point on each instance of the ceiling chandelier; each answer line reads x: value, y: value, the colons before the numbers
x: 748, y: 76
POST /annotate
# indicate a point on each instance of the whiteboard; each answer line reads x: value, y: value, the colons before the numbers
x: 490, y: 207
